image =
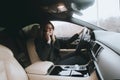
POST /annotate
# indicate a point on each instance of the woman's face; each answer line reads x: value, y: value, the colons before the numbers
x: 49, y: 29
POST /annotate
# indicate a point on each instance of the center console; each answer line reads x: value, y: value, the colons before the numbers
x: 72, y: 70
x: 41, y: 71
x: 69, y: 70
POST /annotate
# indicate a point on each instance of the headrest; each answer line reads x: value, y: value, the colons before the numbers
x: 31, y: 30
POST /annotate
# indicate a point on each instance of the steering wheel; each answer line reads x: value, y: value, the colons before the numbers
x: 84, y: 37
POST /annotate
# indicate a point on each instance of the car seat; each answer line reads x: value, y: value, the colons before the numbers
x: 31, y: 34
x: 10, y: 69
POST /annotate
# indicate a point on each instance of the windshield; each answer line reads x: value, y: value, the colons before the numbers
x: 103, y: 13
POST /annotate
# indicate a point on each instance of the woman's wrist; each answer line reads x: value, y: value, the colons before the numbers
x: 49, y: 41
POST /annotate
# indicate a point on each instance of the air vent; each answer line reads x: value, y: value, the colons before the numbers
x: 96, y: 49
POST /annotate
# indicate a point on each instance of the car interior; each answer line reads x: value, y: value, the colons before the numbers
x: 35, y: 69
x: 20, y: 22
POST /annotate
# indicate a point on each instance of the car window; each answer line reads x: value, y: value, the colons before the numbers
x: 103, y: 13
x: 66, y: 29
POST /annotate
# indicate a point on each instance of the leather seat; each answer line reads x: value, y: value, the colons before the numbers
x: 31, y: 51
x: 31, y: 33
x: 10, y: 69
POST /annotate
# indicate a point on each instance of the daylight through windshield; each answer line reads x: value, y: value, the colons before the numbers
x: 103, y: 13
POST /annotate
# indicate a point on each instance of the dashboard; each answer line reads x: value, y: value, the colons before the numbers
x: 105, y: 50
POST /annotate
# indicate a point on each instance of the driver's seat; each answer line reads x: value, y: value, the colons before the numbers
x: 10, y: 69
x: 31, y: 34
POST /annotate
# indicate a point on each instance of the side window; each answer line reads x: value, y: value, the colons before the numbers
x: 66, y: 29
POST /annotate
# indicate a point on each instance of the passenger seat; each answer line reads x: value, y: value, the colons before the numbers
x: 10, y: 69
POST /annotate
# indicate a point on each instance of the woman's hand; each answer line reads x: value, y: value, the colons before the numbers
x: 48, y: 37
x: 80, y: 31
x: 53, y: 38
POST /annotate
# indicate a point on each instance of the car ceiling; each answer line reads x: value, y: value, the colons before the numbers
x: 19, y: 13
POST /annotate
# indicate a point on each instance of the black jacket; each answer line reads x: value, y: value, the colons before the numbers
x: 50, y: 52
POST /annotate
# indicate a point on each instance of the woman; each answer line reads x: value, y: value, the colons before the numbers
x: 48, y: 46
